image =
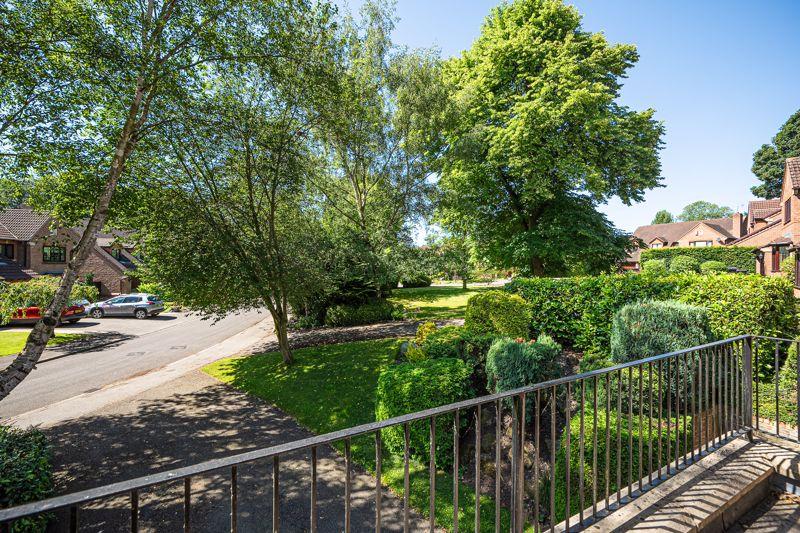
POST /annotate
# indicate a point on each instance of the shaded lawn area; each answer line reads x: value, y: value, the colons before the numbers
x: 435, y: 303
x: 12, y: 342
x: 332, y: 387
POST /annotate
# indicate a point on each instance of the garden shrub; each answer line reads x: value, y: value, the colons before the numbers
x: 787, y: 268
x: 367, y: 313
x: 649, y: 328
x: 443, y: 342
x: 682, y: 264
x: 709, y: 267
x: 655, y: 267
x: 411, y: 387
x: 650, y: 436
x: 498, y: 313
x: 423, y: 330
x: 26, y: 472
x: 740, y: 257
x: 578, y: 311
x: 514, y: 363
x: 788, y: 373
x: 413, y: 282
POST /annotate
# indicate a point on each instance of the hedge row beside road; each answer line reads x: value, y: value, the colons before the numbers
x: 740, y: 257
x: 578, y: 310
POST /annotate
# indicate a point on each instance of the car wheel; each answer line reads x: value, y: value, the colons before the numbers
x: 140, y: 314
x: 97, y: 313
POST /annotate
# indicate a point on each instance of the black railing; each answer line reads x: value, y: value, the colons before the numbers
x: 657, y: 415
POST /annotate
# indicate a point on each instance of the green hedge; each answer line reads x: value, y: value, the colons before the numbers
x: 578, y: 310
x: 461, y: 343
x: 650, y: 442
x: 367, y: 313
x: 498, y: 313
x: 681, y: 264
x: 26, y: 473
x: 410, y: 387
x: 741, y: 257
x: 712, y: 267
x: 656, y: 267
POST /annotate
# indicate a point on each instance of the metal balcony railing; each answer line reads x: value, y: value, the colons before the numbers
x: 671, y: 409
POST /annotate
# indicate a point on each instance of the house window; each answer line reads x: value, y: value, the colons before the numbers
x: 779, y: 253
x: 54, y: 254
x: 701, y: 244
x: 7, y: 251
x: 656, y: 245
x: 787, y: 211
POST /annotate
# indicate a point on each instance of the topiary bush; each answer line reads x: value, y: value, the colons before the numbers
x: 655, y: 267
x: 649, y: 328
x: 457, y: 341
x: 410, y: 387
x: 682, y: 264
x: 514, y: 363
x: 443, y: 342
x: 367, y: 313
x: 710, y: 267
x: 26, y: 472
x: 650, y: 436
x: 498, y: 313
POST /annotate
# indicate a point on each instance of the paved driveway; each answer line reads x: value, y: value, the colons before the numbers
x: 139, y: 346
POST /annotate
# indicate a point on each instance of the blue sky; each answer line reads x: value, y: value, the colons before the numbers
x: 722, y: 76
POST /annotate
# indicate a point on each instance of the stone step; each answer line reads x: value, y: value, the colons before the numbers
x: 778, y: 512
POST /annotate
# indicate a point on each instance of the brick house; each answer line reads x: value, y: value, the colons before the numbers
x: 775, y: 225
x: 695, y: 233
x: 30, y: 247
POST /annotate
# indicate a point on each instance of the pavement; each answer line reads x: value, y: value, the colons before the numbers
x: 196, y: 418
x: 140, y: 347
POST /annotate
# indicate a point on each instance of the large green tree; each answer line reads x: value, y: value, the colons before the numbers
x: 538, y: 140
x: 126, y: 64
x: 663, y: 217
x: 769, y: 160
x: 702, y: 210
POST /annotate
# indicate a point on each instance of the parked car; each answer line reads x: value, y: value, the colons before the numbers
x: 139, y: 305
x: 31, y: 314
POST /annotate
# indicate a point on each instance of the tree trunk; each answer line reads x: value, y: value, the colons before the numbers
x: 26, y: 361
x: 281, y: 331
x: 537, y: 267
x: 464, y: 283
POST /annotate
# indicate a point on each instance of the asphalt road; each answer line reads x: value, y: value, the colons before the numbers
x: 153, y: 343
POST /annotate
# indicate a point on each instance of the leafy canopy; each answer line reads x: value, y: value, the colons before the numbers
x: 537, y: 140
x: 769, y: 160
x: 702, y: 210
x: 663, y: 217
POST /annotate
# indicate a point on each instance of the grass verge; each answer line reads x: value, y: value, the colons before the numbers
x: 332, y: 387
x: 435, y: 303
x: 12, y: 342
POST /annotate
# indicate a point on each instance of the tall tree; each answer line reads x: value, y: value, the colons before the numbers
x: 701, y: 210
x: 663, y: 217
x: 768, y: 161
x: 539, y: 136
x: 133, y: 61
x: 237, y: 226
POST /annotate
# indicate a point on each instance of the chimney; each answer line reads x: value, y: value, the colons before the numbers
x: 738, y: 225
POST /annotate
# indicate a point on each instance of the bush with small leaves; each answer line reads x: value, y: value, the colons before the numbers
x: 655, y: 267
x: 410, y: 387
x: 683, y: 263
x: 498, y: 313
x: 710, y: 267
x: 26, y: 473
x: 367, y: 313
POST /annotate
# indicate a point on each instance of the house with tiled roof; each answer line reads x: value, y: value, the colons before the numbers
x: 32, y: 245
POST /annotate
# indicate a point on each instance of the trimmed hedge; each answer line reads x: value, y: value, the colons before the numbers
x: 681, y: 264
x: 498, y: 313
x: 367, y: 313
x: 740, y: 257
x: 26, y: 472
x: 709, y: 267
x: 656, y: 267
x: 459, y: 342
x: 650, y: 444
x: 410, y: 387
x: 578, y: 310
x: 645, y: 329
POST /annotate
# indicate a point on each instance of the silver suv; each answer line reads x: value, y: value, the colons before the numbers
x: 139, y: 305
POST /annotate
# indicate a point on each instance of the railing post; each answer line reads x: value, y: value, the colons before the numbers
x: 747, y: 367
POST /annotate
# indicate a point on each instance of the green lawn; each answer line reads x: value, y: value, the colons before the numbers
x: 333, y: 387
x: 12, y: 342
x: 435, y: 303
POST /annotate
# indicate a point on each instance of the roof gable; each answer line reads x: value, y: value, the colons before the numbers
x: 22, y: 223
x: 793, y: 171
x: 673, y: 231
